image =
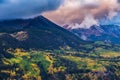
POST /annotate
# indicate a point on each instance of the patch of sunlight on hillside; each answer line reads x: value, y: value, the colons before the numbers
x: 110, y: 54
x: 86, y: 63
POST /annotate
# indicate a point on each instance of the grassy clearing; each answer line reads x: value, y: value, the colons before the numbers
x: 86, y: 63
x: 110, y: 54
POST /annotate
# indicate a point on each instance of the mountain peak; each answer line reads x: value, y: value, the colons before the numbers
x: 38, y: 33
x: 39, y: 17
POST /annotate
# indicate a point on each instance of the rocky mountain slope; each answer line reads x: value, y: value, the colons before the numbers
x: 106, y: 33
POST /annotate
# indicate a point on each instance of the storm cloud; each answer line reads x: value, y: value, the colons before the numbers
x: 11, y: 9
x: 84, y: 13
x: 75, y: 13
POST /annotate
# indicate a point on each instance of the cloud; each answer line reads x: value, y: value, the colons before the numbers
x: 11, y: 9
x: 118, y: 0
x: 77, y: 11
x: 86, y: 23
x: 115, y: 20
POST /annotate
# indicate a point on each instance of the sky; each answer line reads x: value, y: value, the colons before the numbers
x: 75, y: 13
x: 12, y: 9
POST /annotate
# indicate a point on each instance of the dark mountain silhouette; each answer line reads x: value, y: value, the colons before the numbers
x: 36, y: 33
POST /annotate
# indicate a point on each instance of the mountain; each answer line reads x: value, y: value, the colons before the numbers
x: 106, y: 33
x: 36, y: 33
x: 57, y: 54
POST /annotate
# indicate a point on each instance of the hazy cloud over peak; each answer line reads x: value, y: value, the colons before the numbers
x: 74, y: 12
x: 62, y: 12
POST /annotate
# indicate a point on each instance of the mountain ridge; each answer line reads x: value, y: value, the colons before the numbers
x: 106, y: 33
x: 38, y: 33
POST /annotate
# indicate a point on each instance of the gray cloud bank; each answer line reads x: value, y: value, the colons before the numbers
x: 11, y: 9
x: 76, y: 13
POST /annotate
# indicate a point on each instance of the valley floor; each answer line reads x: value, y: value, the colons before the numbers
x: 60, y: 65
